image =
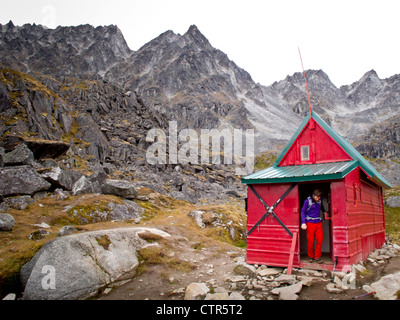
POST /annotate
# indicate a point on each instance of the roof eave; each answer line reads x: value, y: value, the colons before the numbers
x: 319, y: 177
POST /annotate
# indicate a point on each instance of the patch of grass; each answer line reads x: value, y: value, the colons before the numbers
x: 153, y: 254
x: 13, y: 257
x: 150, y: 210
x: 160, y: 254
x: 32, y: 83
x: 264, y: 160
x: 84, y: 214
x: 392, y: 222
x: 91, y: 208
x: 104, y: 241
x: 159, y: 205
x: 393, y: 192
x: 231, y: 216
x: 241, y: 244
x: 16, y: 248
x: 367, y: 273
x: 179, y: 265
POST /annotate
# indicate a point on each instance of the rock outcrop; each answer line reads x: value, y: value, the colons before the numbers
x: 6, y: 222
x: 77, y: 266
x: 25, y: 180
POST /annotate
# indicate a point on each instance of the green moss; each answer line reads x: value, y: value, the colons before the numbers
x: 150, y: 210
x: 78, y: 84
x: 152, y: 254
x: 392, y: 221
x: 32, y: 83
x: 264, y: 160
x: 10, y: 268
x: 91, y: 213
x: 241, y: 244
x: 393, y: 192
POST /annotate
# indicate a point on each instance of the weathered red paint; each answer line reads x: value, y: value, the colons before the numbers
x: 270, y: 243
x: 357, y: 224
x: 322, y: 147
x: 365, y: 216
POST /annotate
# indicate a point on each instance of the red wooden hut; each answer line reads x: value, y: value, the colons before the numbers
x: 316, y: 156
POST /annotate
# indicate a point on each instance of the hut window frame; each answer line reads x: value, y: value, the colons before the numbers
x: 305, y: 153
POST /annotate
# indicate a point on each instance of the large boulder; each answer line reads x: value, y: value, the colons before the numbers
x: 196, y: 291
x: 83, y: 185
x: 21, y: 180
x: 58, y: 177
x: 393, y: 202
x: 19, y: 156
x: 6, y: 222
x: 121, y: 188
x: 245, y: 269
x: 77, y: 266
x: 19, y: 202
x: 44, y: 149
x: 386, y: 288
x: 105, y: 211
x: 90, y: 184
x: 288, y: 292
x: 126, y: 211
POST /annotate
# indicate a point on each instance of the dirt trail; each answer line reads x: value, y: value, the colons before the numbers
x: 212, y: 262
x: 209, y: 262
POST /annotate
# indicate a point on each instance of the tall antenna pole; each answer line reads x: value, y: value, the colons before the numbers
x: 305, y: 79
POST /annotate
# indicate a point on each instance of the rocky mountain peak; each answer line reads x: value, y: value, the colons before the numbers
x: 184, y: 78
x: 193, y: 30
x: 365, y: 89
x: 194, y: 35
x: 10, y: 25
x: 370, y: 79
x: 167, y: 36
x: 90, y: 51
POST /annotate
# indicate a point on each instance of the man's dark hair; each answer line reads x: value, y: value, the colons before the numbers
x: 317, y: 192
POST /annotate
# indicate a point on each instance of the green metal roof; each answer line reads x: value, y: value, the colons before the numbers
x: 307, y: 172
x: 353, y: 153
x: 345, y: 145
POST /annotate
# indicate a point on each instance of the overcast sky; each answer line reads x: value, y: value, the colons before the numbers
x: 344, y: 38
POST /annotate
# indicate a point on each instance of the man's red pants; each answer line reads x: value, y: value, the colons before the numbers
x: 314, y: 231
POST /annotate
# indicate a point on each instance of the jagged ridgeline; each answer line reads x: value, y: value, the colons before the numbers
x: 98, y: 80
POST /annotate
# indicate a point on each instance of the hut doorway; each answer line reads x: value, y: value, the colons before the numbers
x: 306, y: 190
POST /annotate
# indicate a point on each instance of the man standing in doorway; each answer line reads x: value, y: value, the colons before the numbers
x: 312, y: 222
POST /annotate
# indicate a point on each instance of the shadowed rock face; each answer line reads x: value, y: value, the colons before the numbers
x: 21, y: 180
x: 45, y: 149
